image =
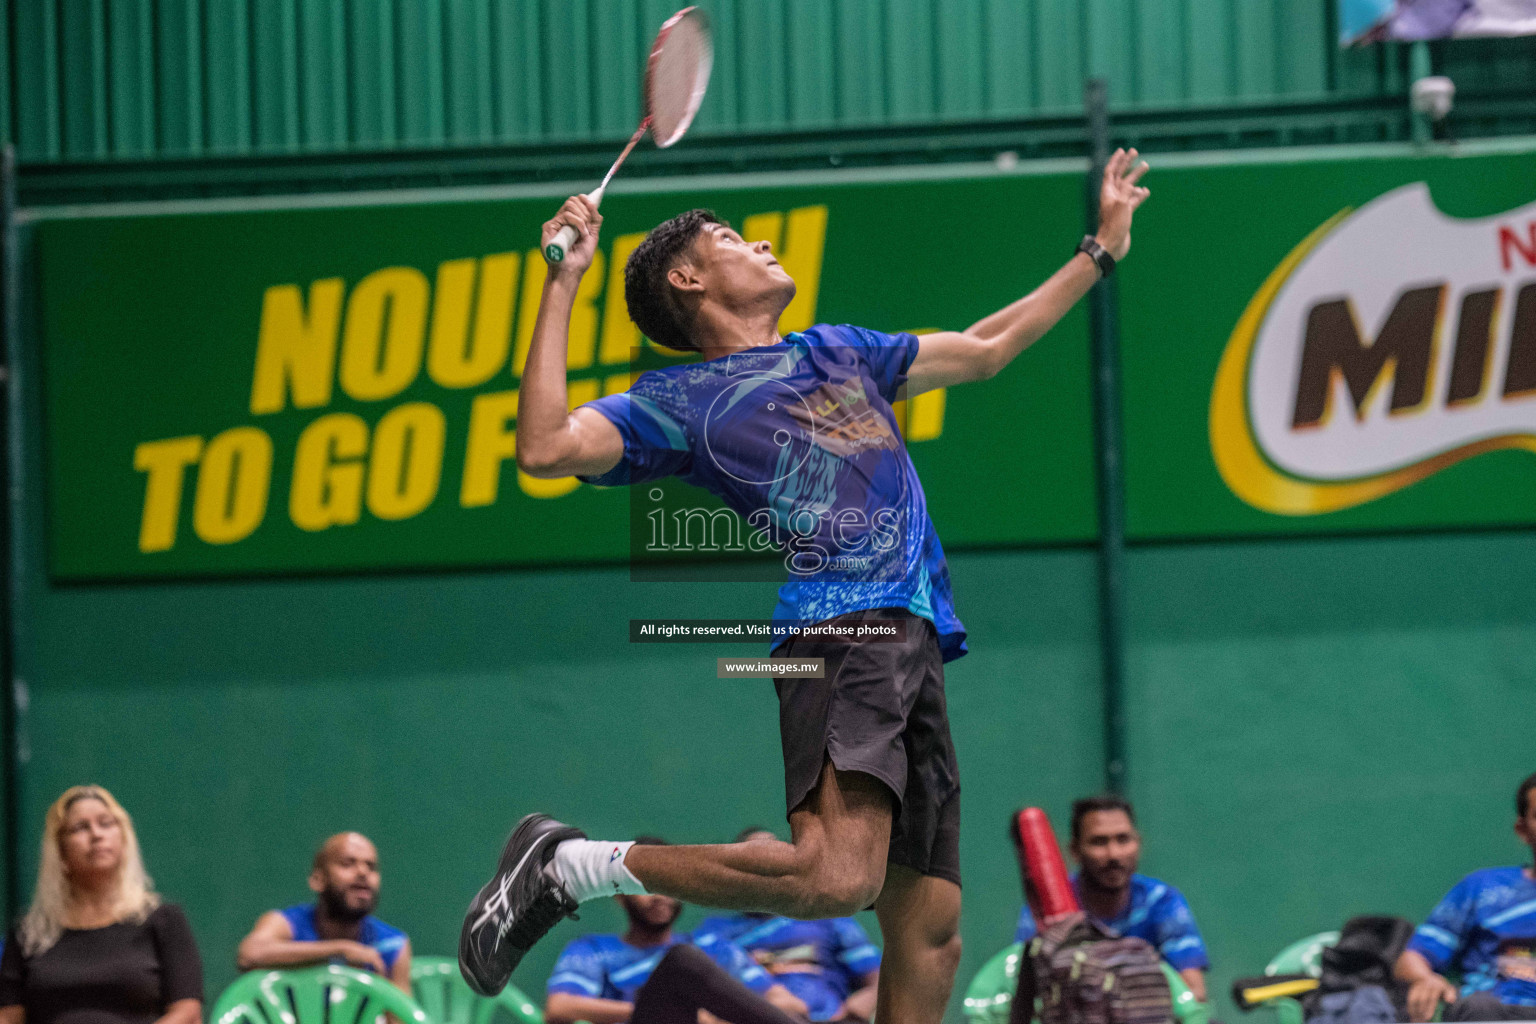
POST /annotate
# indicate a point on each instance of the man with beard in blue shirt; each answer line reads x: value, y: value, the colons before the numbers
x: 797, y: 434
x: 1485, y: 930
x: 1107, y: 848
x: 830, y: 964
x: 339, y: 926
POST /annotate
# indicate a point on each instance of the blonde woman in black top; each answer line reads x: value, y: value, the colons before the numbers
x: 98, y: 946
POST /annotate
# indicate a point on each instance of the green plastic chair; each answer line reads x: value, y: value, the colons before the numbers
x: 240, y: 991
x: 989, y: 996
x: 331, y: 994
x: 1304, y: 956
x: 447, y: 999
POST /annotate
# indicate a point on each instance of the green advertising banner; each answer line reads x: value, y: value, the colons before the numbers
x: 1332, y: 345
x: 335, y: 388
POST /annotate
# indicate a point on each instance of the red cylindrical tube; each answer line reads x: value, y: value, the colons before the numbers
x: 1046, y: 885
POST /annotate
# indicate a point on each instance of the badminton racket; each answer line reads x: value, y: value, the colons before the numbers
x: 676, y: 75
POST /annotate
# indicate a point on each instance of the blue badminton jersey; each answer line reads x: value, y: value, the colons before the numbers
x: 607, y: 967
x: 386, y: 939
x: 800, y: 439
x: 1485, y: 928
x: 1156, y: 912
x: 821, y: 962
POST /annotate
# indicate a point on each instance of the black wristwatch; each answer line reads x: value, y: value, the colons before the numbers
x: 1098, y: 254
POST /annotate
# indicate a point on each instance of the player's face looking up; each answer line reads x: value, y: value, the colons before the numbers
x: 722, y: 269
x: 1108, y: 849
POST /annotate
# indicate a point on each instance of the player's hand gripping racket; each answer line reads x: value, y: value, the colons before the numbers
x: 676, y: 75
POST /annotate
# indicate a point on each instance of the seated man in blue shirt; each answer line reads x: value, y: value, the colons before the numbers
x: 1107, y: 847
x: 830, y: 964
x: 1485, y: 930
x: 598, y: 978
x: 339, y: 925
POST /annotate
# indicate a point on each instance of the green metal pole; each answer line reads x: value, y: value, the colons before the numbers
x: 1104, y: 321
x: 10, y: 404
x: 1419, y: 66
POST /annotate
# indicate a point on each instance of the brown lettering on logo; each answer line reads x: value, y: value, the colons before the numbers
x: 1404, y: 351
x: 1474, y: 338
x: 1520, y: 369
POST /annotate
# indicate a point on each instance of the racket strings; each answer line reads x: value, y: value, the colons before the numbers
x: 677, y: 76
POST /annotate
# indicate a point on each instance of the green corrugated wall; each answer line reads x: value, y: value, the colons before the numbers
x: 92, y: 80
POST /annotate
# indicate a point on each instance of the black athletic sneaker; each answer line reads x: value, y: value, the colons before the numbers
x: 516, y: 907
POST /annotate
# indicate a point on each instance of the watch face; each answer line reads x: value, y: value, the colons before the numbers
x: 1100, y: 256
x: 1094, y: 250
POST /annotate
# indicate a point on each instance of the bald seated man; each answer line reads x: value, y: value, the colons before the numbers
x: 339, y: 927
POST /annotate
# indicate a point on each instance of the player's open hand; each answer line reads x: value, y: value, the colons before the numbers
x: 1118, y: 199
x: 580, y: 213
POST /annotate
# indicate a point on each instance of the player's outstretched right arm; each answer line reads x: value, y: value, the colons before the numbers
x: 552, y: 440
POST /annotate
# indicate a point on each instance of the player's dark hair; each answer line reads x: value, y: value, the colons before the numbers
x: 650, y: 841
x: 1103, y: 802
x: 654, y: 305
x: 749, y: 832
x: 1523, y: 794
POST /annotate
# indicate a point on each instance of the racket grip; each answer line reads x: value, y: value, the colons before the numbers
x: 560, y: 245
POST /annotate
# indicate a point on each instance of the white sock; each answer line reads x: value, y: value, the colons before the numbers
x: 591, y: 869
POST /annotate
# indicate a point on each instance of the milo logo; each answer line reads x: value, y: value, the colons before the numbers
x: 1392, y: 342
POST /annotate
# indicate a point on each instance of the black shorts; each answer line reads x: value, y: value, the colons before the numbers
x: 879, y: 709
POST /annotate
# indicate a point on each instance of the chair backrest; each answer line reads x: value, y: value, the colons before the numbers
x: 989, y: 996
x: 1186, y: 1008
x: 990, y: 993
x: 239, y: 991
x: 331, y: 994
x: 1304, y: 956
x: 446, y: 997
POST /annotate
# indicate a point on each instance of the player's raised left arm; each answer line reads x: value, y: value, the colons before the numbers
x: 946, y: 358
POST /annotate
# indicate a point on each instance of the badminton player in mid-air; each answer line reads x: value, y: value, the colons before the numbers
x: 796, y: 434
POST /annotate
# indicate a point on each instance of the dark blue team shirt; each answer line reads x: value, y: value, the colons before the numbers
x: 1157, y: 913
x: 800, y: 439
x: 821, y: 962
x: 386, y: 939
x: 607, y: 967
x: 1485, y: 928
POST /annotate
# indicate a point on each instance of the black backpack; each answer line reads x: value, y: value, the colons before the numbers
x: 1365, y: 954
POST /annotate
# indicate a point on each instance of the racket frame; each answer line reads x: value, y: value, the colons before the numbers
x: 558, y: 246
